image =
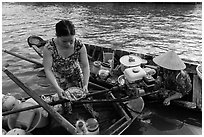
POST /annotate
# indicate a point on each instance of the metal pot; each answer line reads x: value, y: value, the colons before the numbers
x: 96, y: 67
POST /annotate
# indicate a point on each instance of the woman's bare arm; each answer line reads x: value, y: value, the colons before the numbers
x: 85, y: 65
x: 47, y: 62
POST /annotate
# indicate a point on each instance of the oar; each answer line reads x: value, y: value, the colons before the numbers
x: 58, y: 102
x: 132, y: 100
x: 22, y: 57
x: 60, y: 119
x: 64, y: 101
x: 80, y: 101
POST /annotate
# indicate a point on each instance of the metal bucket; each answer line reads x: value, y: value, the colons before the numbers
x: 35, y: 120
x: 92, y: 126
x: 43, y: 116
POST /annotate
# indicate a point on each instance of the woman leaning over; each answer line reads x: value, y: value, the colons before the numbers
x: 65, y: 60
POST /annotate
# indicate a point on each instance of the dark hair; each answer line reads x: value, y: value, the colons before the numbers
x: 64, y: 28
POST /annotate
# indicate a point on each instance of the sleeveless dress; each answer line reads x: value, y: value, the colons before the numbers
x: 67, y: 70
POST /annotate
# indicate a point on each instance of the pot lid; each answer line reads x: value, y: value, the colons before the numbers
x: 170, y: 60
x: 130, y: 60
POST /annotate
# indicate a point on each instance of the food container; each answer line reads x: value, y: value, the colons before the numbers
x: 134, y: 73
x: 103, y: 74
x: 96, y: 67
x: 81, y: 127
x: 16, y: 131
x: 74, y: 93
x: 128, y: 61
x: 150, y: 71
x: 8, y: 102
x: 121, y: 80
x: 92, y: 126
x: 148, y: 79
x: 105, y: 66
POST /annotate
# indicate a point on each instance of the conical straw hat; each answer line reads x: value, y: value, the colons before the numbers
x: 170, y: 60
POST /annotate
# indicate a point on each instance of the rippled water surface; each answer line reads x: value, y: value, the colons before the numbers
x: 141, y: 27
x: 147, y: 28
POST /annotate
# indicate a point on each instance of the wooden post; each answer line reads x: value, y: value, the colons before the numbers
x: 197, y: 91
x: 60, y: 119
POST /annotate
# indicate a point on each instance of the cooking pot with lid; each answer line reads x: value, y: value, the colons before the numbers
x: 134, y: 74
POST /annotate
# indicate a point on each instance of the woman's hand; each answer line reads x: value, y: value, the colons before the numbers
x: 177, y: 95
x: 166, y: 102
x: 85, y: 89
x: 61, y: 93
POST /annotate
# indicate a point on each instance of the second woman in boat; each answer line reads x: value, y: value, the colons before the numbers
x: 175, y: 82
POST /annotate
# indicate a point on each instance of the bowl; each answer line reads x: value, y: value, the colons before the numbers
x: 121, y: 80
x: 74, y: 93
x: 149, y: 71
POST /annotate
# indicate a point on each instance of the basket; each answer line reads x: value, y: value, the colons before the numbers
x: 74, y: 93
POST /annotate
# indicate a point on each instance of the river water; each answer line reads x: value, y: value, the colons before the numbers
x: 150, y: 28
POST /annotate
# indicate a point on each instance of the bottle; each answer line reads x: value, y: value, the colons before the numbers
x: 81, y: 127
x: 96, y: 67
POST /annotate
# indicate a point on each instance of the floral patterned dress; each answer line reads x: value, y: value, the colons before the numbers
x: 176, y: 83
x: 67, y: 70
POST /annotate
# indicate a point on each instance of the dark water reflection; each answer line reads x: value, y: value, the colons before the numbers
x: 163, y: 120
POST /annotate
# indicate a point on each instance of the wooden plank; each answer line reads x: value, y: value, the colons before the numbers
x: 117, y: 105
x: 197, y: 91
x: 115, y: 126
x: 122, y: 127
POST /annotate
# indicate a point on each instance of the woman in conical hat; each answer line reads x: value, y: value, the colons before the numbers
x: 174, y: 79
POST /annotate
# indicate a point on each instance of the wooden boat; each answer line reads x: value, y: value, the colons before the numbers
x: 117, y: 109
x: 96, y: 53
x: 191, y: 101
x: 115, y: 114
